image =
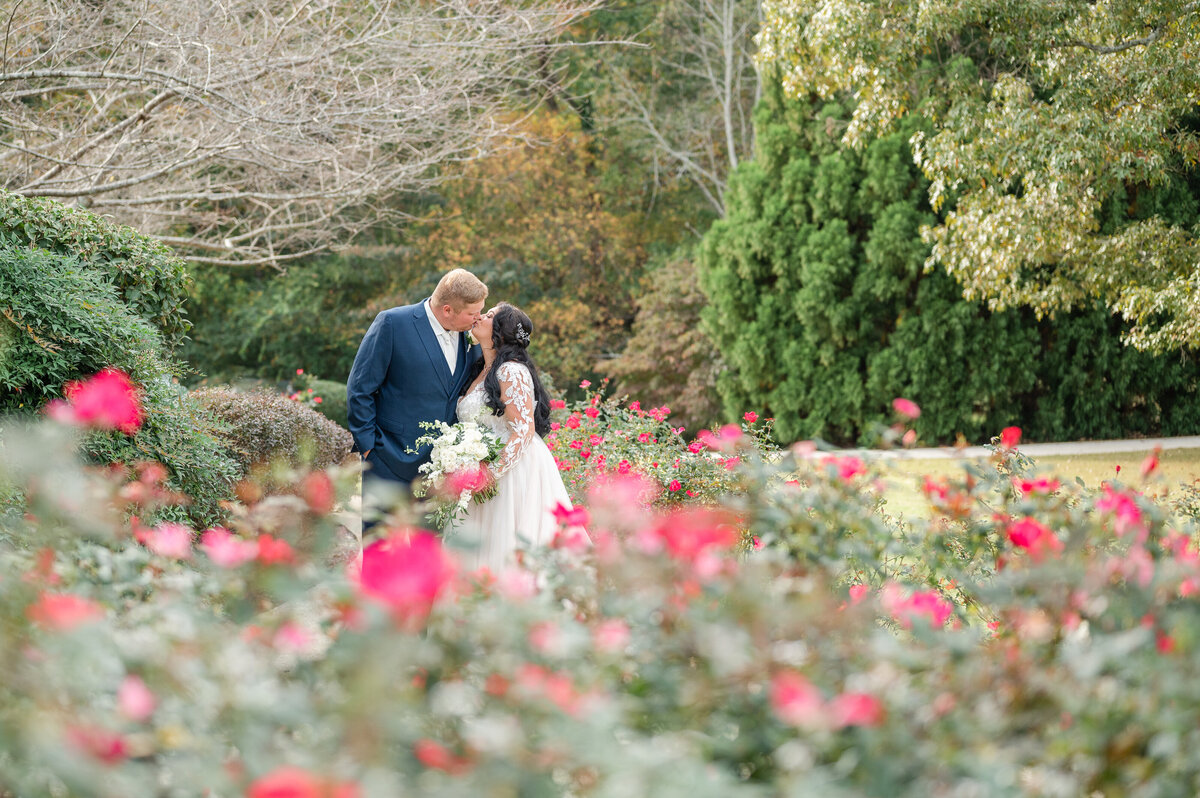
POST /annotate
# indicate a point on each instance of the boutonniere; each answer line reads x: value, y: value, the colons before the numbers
x: 471, y: 340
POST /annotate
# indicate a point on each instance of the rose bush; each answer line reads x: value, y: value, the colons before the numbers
x: 601, y: 436
x: 1026, y: 638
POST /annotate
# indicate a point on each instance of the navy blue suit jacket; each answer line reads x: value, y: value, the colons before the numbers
x: 399, y: 379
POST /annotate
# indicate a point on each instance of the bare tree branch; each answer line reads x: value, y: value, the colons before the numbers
x: 249, y: 131
x: 701, y: 125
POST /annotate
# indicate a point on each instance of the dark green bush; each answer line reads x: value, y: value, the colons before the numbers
x: 261, y: 427
x: 148, y: 276
x: 333, y: 400
x: 62, y: 321
x: 267, y: 324
x: 821, y: 307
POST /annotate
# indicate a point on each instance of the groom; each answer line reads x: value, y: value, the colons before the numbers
x: 410, y: 368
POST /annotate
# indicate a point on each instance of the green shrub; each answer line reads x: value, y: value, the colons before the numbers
x: 148, y: 276
x: 269, y: 324
x: 261, y: 427
x: 333, y: 400
x: 822, y: 309
x: 63, y: 322
x: 327, y: 397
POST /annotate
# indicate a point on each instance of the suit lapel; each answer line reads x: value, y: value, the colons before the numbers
x: 432, y: 347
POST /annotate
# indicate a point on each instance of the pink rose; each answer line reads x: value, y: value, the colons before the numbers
x: 135, y: 699
x: 109, y: 400
x: 795, y: 700
x: 227, y: 550
x: 906, y: 407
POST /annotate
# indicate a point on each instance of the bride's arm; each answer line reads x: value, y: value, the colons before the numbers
x: 516, y: 390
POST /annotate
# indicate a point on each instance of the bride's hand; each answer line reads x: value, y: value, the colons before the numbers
x: 488, y: 489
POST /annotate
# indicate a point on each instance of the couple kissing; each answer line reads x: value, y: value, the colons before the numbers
x: 415, y: 366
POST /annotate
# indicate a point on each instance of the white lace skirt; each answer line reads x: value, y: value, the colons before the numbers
x: 520, y: 515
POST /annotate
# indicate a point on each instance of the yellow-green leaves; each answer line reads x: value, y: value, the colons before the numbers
x: 1064, y: 106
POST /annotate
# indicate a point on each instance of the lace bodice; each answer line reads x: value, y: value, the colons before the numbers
x: 515, y: 427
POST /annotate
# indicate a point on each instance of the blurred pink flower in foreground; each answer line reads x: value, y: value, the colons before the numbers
x: 1034, y: 537
x: 856, y: 709
x: 273, y: 551
x: 107, y: 746
x: 611, y: 635
x: 436, y: 756
x: 168, y: 540
x: 725, y: 439
x: 227, y: 550
x: 318, y: 492
x: 1127, y: 516
x: 848, y: 467
x: 1040, y: 485
x: 109, y: 400
x: 293, y: 782
x: 406, y: 571
x: 135, y: 699
x: 63, y: 611
x: 292, y: 637
x: 517, y: 584
x: 926, y: 606
x: 571, y: 516
x: 691, y: 534
x: 796, y: 700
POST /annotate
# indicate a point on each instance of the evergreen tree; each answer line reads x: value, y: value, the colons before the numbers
x: 822, y: 309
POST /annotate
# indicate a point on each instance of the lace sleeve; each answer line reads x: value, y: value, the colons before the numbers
x: 516, y: 389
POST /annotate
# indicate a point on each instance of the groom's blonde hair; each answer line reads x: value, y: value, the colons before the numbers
x: 459, y: 287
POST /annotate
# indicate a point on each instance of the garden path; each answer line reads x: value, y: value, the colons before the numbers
x: 1036, y: 450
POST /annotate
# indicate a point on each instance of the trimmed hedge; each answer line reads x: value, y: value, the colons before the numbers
x: 262, y: 427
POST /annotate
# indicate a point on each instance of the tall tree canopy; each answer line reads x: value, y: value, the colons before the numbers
x: 1043, y: 112
x: 249, y: 131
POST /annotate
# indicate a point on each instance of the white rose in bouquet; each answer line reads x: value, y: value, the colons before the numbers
x: 453, y: 467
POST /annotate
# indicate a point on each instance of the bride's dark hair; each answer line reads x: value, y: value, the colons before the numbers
x: 511, y: 329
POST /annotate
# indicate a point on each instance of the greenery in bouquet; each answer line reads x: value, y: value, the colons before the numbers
x: 455, y: 473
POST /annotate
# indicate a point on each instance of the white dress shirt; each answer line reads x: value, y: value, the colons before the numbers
x: 447, y: 338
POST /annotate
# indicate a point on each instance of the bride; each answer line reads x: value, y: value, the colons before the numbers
x: 504, y: 393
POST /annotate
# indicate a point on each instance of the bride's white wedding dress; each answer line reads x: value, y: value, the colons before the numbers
x: 528, y: 485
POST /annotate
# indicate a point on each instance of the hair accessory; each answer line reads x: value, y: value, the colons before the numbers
x: 522, y: 336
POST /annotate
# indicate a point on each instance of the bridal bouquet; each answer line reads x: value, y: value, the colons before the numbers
x: 453, y: 469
